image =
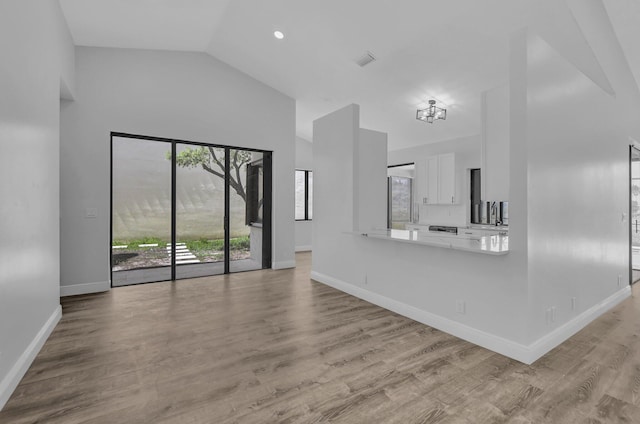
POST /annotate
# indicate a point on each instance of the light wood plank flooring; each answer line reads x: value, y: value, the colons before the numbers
x: 275, y: 347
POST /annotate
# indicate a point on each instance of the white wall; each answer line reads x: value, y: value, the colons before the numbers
x: 304, y: 160
x: 467, y: 151
x: 304, y: 154
x: 34, y: 46
x: 371, y: 180
x: 495, y: 145
x: 187, y: 96
x: 577, y: 189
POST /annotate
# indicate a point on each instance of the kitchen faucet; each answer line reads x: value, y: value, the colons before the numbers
x: 493, y: 218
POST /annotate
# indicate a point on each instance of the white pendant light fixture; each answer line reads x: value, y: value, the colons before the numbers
x: 431, y: 113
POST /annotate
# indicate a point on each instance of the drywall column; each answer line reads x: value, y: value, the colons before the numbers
x: 495, y: 144
x: 37, y: 54
x: 334, y: 145
x: 371, y: 185
x: 577, y: 190
x: 350, y: 171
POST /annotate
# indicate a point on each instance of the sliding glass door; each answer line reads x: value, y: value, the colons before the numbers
x: 141, y: 211
x: 200, y: 210
x: 184, y: 210
x: 246, y: 198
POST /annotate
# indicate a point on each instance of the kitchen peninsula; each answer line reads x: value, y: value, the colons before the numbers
x: 496, y: 297
x: 414, y: 273
x: 497, y: 244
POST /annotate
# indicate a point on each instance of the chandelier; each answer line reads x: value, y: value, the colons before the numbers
x: 431, y: 113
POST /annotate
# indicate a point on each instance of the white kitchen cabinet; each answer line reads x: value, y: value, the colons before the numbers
x: 436, y: 180
x: 432, y: 180
x: 446, y: 179
x: 420, y: 181
x: 426, y: 191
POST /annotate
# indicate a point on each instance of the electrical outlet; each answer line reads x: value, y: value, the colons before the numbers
x: 461, y: 307
x: 574, y: 302
x: 550, y: 315
x: 91, y: 213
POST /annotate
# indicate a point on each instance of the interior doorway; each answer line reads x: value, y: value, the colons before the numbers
x: 184, y: 209
x: 634, y: 213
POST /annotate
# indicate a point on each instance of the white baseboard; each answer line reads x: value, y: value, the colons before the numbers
x: 283, y: 264
x: 85, y: 288
x: 568, y: 329
x: 9, y: 383
x: 518, y: 351
x: 305, y: 248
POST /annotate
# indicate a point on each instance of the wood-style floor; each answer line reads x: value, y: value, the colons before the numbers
x: 275, y: 347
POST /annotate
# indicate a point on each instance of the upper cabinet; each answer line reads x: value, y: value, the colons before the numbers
x: 431, y: 195
x: 436, y: 180
x: 495, y: 144
x: 447, y: 179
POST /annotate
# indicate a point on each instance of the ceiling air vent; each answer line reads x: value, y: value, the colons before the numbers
x: 366, y: 59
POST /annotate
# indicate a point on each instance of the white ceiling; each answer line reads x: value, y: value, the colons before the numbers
x: 185, y: 25
x: 625, y: 17
x: 447, y: 50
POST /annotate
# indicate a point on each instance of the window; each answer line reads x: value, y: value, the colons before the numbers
x: 400, y: 195
x: 400, y: 189
x: 304, y: 195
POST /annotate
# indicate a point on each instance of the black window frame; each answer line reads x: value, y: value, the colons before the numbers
x: 253, y: 202
x: 475, y: 196
x: 306, y: 194
x: 267, y: 163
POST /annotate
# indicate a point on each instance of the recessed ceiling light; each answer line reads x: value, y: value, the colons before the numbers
x: 278, y: 34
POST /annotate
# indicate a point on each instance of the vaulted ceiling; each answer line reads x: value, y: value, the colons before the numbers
x: 446, y: 50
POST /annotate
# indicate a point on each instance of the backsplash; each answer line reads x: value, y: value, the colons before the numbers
x: 455, y: 215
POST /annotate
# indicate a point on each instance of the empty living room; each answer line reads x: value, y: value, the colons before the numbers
x: 286, y: 211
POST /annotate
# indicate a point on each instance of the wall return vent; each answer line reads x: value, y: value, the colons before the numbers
x: 365, y: 59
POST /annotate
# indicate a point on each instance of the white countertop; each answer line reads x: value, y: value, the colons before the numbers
x: 490, y: 245
x: 486, y: 227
